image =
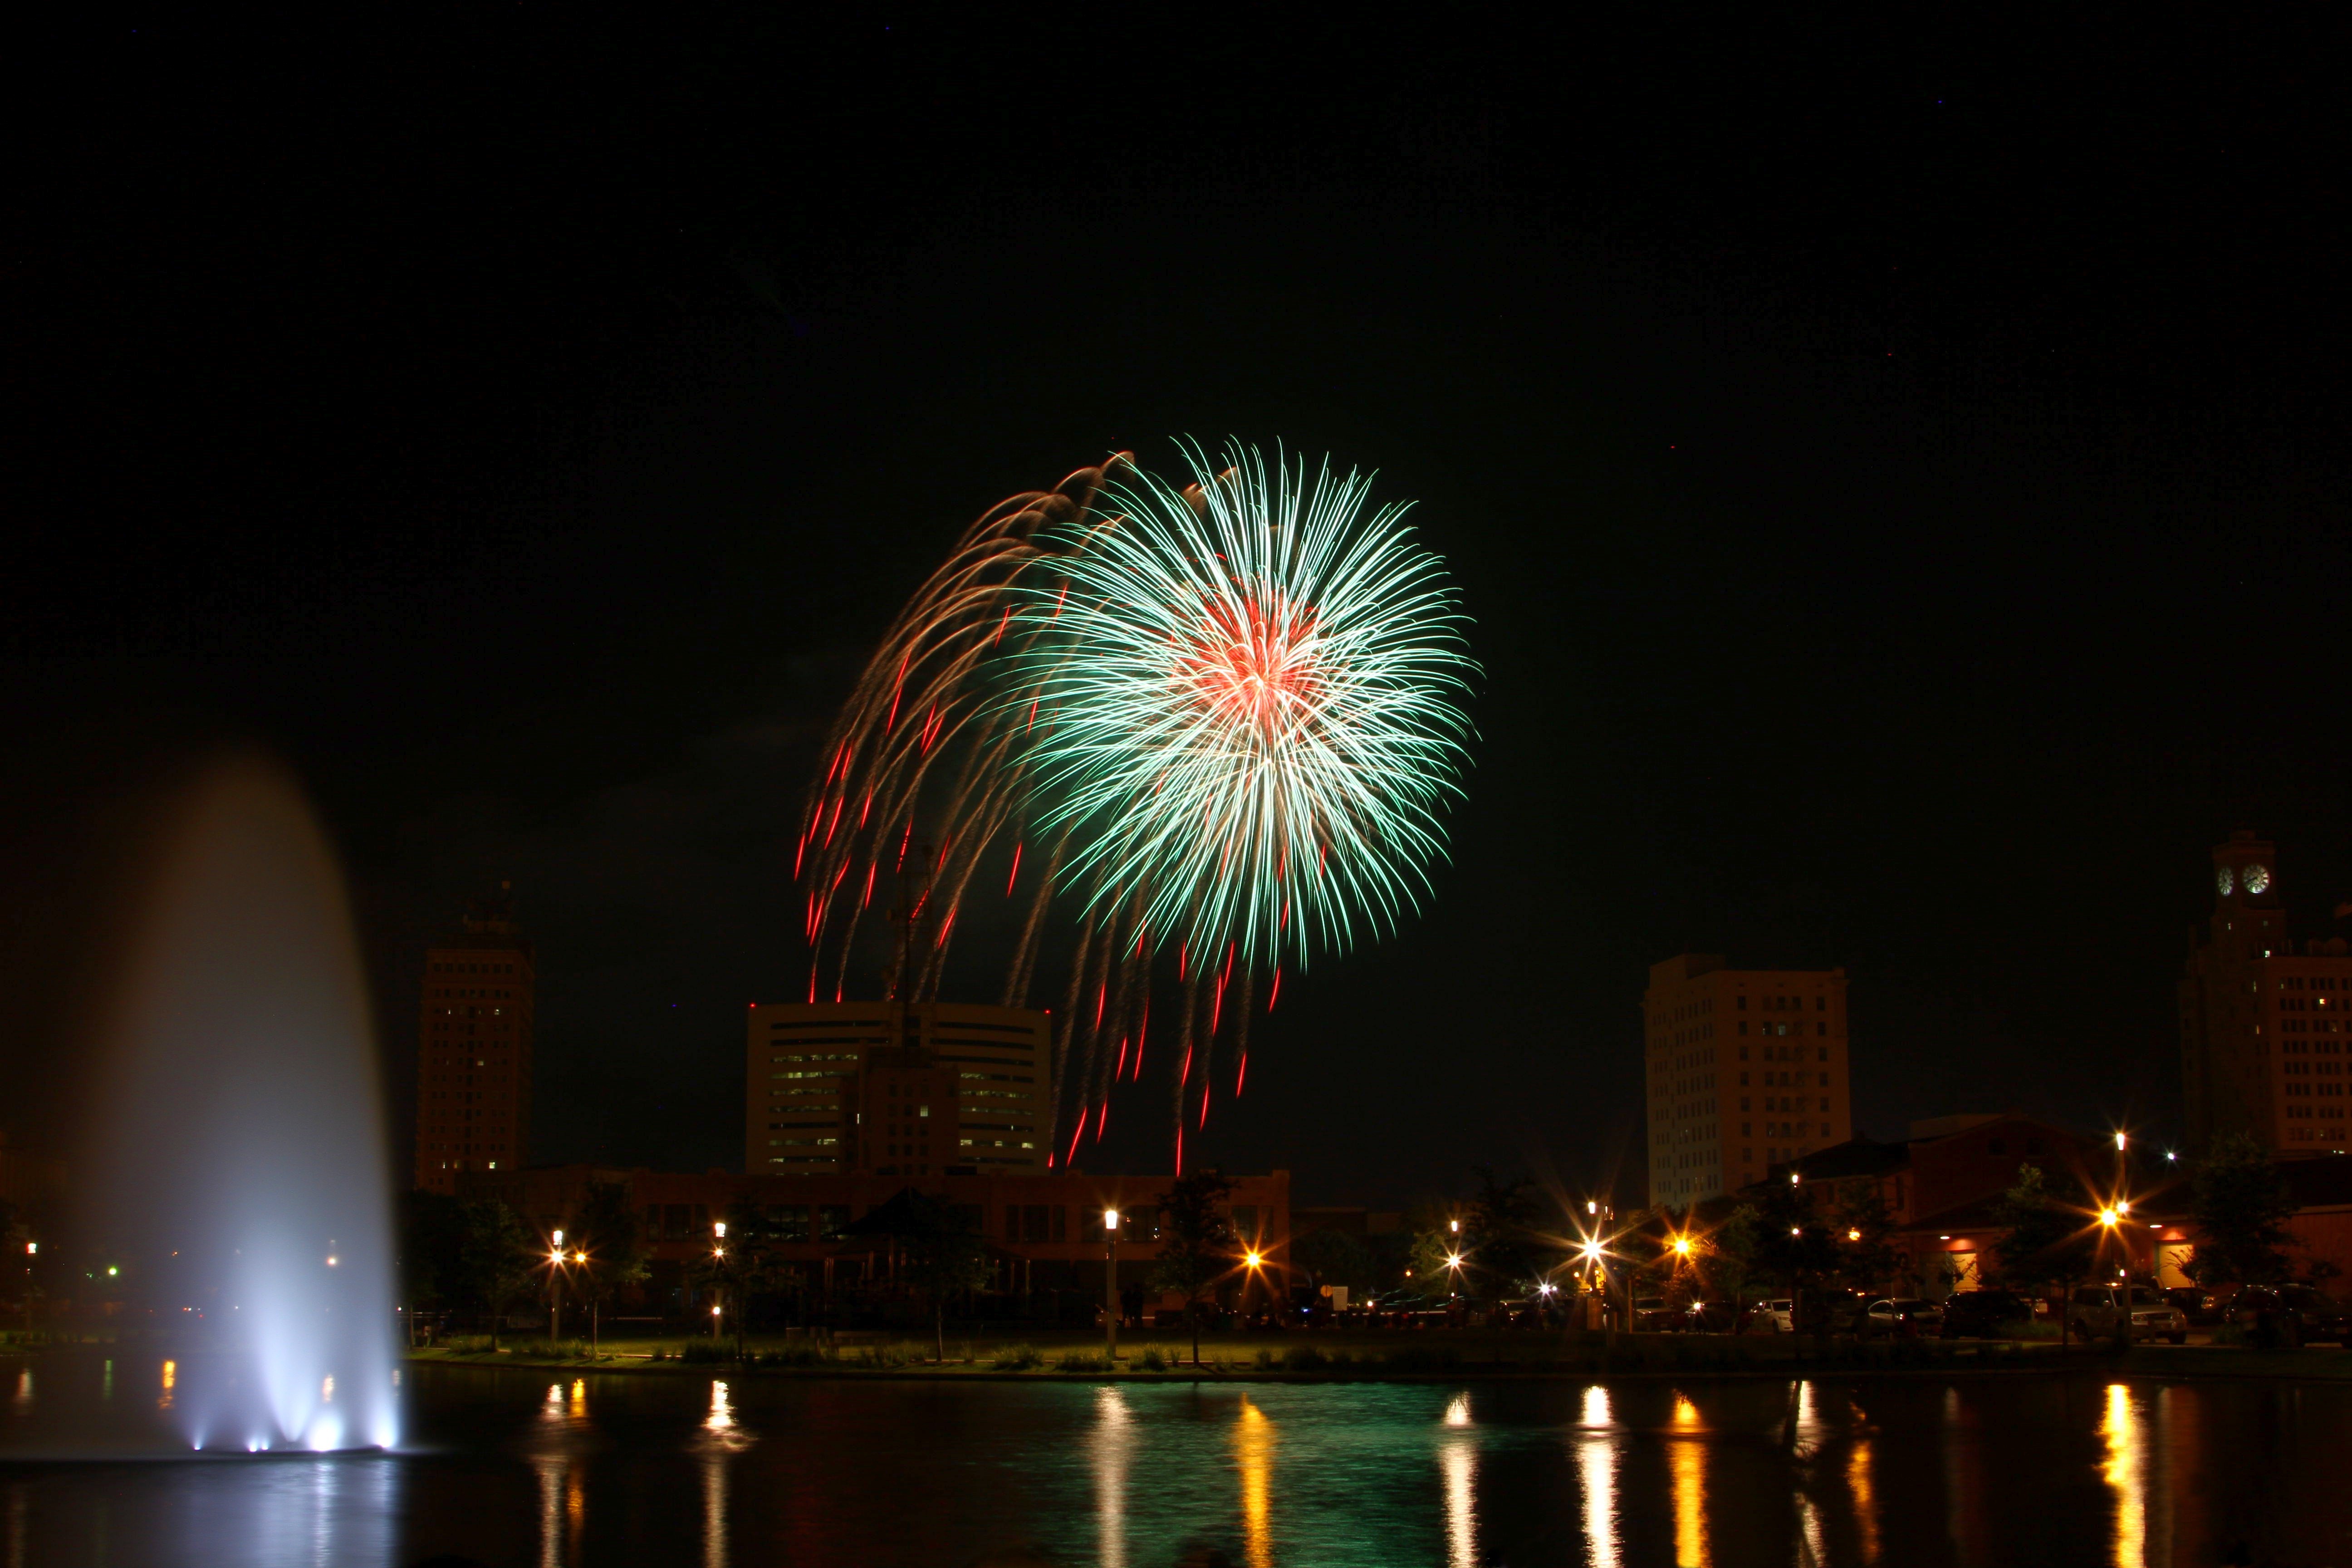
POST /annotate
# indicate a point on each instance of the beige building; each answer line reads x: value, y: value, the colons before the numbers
x: 2264, y: 1044
x: 894, y: 1089
x: 474, y: 1048
x: 1746, y: 1069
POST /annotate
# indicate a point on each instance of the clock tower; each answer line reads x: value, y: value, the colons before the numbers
x: 2265, y: 1018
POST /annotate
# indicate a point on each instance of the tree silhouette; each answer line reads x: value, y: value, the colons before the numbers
x: 2043, y: 1241
x: 2239, y: 1205
x: 1196, y: 1242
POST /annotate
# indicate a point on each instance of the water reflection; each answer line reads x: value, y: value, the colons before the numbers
x: 1253, y: 1448
x: 1459, y: 1458
x: 1687, y: 1461
x: 170, y: 1377
x: 1865, y: 1500
x: 723, y: 1437
x: 1113, y: 1440
x: 1596, y: 1464
x: 736, y: 1472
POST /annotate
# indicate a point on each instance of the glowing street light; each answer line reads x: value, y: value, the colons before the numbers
x: 1853, y: 1233
x: 2107, y: 1216
x: 1682, y: 1247
x: 2119, y: 1143
x: 1110, y: 1285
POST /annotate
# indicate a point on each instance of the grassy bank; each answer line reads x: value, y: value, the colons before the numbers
x: 1337, y: 1356
x: 1341, y: 1357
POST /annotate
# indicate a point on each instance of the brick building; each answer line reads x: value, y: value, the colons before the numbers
x: 1744, y: 1068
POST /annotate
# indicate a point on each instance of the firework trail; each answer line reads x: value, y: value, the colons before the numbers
x: 1227, y: 717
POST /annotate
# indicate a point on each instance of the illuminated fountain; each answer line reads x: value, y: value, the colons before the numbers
x: 239, y: 1124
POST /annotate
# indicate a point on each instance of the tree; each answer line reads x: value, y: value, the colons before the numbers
x: 609, y: 1235
x: 432, y: 1252
x: 1502, y: 1245
x: 1866, y: 1259
x: 1197, y: 1242
x: 497, y: 1259
x: 2239, y: 1205
x: 1333, y: 1257
x: 1780, y: 1239
x: 2044, y: 1242
x: 1737, y: 1243
x: 944, y: 1256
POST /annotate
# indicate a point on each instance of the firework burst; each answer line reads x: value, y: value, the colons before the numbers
x: 1254, y: 701
x: 1227, y: 716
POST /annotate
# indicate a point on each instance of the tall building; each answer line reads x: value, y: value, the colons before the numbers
x: 896, y: 1088
x: 2264, y: 1046
x: 474, y: 1042
x: 1747, y: 1068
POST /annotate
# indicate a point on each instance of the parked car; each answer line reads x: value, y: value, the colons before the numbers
x: 2098, y: 1311
x: 1907, y: 1316
x: 1710, y: 1317
x: 1778, y: 1316
x: 2298, y: 1312
x: 1840, y: 1312
x: 1651, y: 1315
x: 1981, y: 1314
x: 2201, y: 1307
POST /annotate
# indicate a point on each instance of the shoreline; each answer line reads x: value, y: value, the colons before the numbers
x: 2170, y: 1363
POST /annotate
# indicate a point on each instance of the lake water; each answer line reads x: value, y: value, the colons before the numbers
x: 535, y: 1469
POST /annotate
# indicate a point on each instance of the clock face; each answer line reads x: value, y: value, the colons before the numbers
x: 2223, y: 881
x: 2257, y: 880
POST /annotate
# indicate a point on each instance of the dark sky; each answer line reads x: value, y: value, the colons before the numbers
x: 1897, y: 470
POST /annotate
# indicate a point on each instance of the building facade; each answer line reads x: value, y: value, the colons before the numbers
x: 1745, y: 1068
x: 2264, y: 1042
x: 896, y: 1088
x: 474, y: 1047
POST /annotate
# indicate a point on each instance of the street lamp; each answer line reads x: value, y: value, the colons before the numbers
x: 31, y: 1248
x: 555, y: 1285
x: 1110, y: 1285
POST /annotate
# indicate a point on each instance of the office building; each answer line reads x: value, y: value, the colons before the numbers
x: 897, y: 1088
x: 1746, y: 1068
x: 2263, y: 1043
x: 474, y: 1047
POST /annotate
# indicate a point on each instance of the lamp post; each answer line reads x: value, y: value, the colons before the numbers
x: 718, y: 1258
x: 580, y: 1261
x: 555, y: 1285
x: 31, y: 1249
x: 1110, y: 1284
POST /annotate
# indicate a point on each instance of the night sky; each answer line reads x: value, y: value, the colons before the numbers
x: 1897, y: 471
